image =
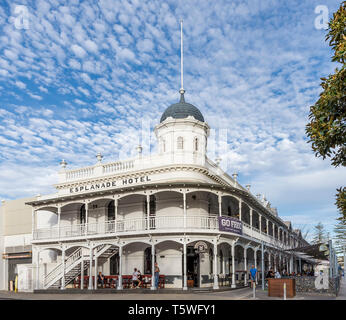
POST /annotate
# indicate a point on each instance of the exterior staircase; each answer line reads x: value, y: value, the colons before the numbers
x: 73, y: 266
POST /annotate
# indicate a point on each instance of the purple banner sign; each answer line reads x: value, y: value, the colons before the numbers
x: 229, y: 224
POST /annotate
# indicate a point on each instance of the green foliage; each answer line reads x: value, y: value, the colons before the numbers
x: 319, y: 235
x: 327, y: 119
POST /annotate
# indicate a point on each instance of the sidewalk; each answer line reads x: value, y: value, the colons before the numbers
x: 342, y: 292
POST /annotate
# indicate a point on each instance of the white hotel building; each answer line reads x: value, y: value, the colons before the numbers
x: 170, y: 207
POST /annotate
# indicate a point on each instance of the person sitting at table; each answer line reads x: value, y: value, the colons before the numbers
x: 270, y: 274
x: 101, y: 280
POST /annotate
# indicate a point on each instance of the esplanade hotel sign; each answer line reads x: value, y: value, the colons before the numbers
x: 177, y: 208
x: 110, y: 184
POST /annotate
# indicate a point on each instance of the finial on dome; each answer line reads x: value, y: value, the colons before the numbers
x: 182, y: 98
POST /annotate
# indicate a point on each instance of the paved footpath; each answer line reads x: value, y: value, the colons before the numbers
x: 342, y: 292
x: 239, y: 294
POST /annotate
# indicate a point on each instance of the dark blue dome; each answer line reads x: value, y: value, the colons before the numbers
x: 182, y: 110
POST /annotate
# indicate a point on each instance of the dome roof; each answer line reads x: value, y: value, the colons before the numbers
x: 182, y: 110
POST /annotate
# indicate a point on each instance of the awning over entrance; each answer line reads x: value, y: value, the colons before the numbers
x: 312, y: 253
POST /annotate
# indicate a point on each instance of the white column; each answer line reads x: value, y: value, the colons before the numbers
x: 220, y: 205
x: 63, y: 268
x: 267, y: 222
x: 245, y: 266
x: 255, y: 256
x: 59, y: 220
x: 37, y: 253
x: 240, y: 203
x: 184, y: 206
x: 82, y: 271
x: 115, y: 214
x: 120, y: 277
x: 86, y: 217
x: 300, y: 267
x: 90, y: 267
x: 269, y: 260
x: 95, y: 269
x: 34, y: 220
x: 223, y: 264
x: 233, y: 265
x: 216, y: 279
x: 185, y: 267
x: 152, y: 267
x: 148, y: 211
x: 287, y: 266
x: 260, y: 222
x: 280, y: 261
x: 251, y: 217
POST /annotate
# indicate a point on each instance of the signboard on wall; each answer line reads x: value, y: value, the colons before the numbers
x: 228, y: 224
x: 201, y: 246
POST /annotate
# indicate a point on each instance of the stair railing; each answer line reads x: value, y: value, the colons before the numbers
x: 57, y: 271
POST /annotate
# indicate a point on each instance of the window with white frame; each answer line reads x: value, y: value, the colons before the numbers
x: 180, y: 143
x: 195, y: 144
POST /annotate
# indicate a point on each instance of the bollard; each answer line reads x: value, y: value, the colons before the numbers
x: 254, y: 290
x: 284, y: 290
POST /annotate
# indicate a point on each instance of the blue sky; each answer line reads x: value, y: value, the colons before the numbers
x: 88, y: 76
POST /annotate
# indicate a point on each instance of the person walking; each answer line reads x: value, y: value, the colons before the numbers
x: 157, y: 275
x: 253, y: 273
x: 135, y: 278
x: 139, y: 277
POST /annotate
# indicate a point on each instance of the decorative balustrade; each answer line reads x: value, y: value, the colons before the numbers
x: 118, y: 166
x: 80, y: 173
x: 140, y: 225
x: 98, y: 170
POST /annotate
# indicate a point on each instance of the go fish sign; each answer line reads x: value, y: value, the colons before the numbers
x: 228, y: 224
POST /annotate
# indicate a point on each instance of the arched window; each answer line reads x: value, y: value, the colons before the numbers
x: 82, y: 214
x: 180, y: 143
x: 111, y: 211
x: 195, y: 144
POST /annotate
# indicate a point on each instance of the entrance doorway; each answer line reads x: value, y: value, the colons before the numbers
x: 114, y: 265
x: 192, y: 268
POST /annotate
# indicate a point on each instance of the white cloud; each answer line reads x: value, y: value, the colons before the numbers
x: 20, y: 84
x: 91, y: 46
x: 78, y: 51
x: 145, y: 45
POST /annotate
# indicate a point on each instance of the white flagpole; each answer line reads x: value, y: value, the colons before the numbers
x: 181, y: 56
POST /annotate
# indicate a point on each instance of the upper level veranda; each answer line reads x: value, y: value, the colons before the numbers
x: 159, y: 204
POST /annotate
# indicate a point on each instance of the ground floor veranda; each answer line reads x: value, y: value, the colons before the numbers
x: 196, y: 260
